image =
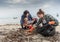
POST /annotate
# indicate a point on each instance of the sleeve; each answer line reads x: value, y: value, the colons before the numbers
x: 30, y: 17
x: 39, y: 21
x: 53, y: 19
x: 21, y: 21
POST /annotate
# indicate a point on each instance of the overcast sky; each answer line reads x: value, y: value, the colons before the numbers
x: 15, y: 8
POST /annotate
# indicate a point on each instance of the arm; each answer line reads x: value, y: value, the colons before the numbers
x: 38, y: 22
x: 22, y: 19
x: 53, y: 21
x: 30, y: 17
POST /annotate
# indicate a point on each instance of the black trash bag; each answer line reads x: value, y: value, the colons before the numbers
x: 46, y: 31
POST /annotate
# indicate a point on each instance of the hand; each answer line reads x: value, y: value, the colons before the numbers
x: 34, y: 19
x: 52, y: 22
x: 29, y: 31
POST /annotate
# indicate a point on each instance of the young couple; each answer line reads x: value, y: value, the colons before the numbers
x: 45, y: 25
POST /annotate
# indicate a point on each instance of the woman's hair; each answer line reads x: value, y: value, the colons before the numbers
x: 25, y: 12
x: 40, y: 12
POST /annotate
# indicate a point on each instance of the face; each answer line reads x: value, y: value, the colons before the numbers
x: 27, y: 14
x: 40, y: 15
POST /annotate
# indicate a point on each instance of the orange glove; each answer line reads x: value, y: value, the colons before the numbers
x: 30, y: 28
x: 52, y: 22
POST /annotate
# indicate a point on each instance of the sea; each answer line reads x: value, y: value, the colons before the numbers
x: 9, y: 21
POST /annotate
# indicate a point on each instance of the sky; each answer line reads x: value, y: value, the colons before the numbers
x: 15, y: 8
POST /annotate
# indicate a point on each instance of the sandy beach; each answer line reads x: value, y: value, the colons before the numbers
x: 5, y: 29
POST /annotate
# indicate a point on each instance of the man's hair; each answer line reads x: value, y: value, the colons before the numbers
x: 40, y: 12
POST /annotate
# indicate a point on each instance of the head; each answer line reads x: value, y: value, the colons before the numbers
x: 25, y: 19
x: 26, y: 13
x: 40, y: 13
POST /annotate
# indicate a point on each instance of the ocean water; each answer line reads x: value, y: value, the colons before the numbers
x: 9, y: 21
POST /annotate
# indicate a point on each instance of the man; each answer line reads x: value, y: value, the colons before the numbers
x: 46, y: 24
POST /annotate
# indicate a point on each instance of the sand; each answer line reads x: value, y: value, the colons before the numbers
x: 6, y: 29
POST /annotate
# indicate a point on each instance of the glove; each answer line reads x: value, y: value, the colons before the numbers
x: 52, y: 22
x: 30, y: 28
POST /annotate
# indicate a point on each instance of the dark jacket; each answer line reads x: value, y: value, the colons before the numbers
x: 22, y: 18
x: 48, y: 18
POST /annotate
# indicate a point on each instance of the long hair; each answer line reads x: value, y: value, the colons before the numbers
x: 25, y: 12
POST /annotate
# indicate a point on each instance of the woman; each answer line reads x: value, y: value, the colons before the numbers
x: 46, y: 24
x: 28, y: 15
